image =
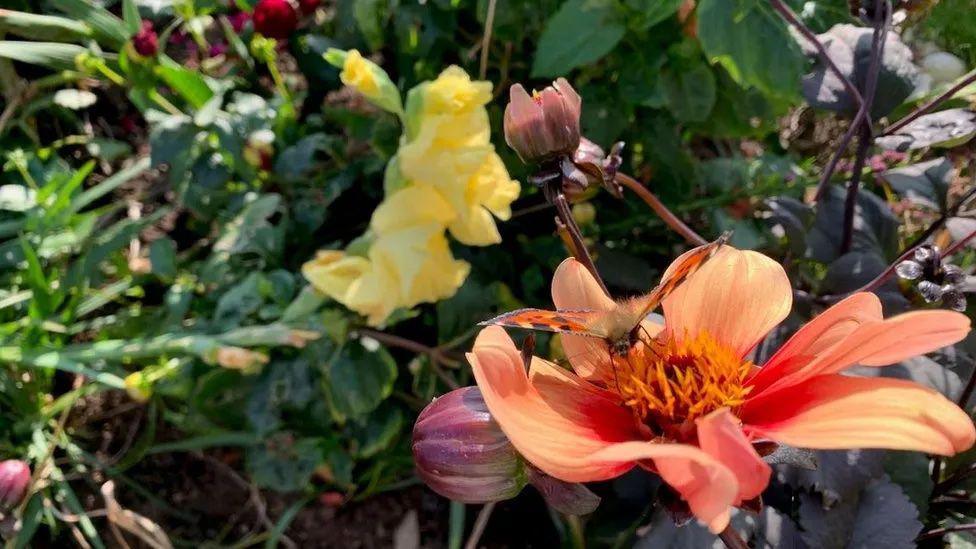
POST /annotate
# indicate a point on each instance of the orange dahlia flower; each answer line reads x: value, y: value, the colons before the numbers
x: 688, y: 403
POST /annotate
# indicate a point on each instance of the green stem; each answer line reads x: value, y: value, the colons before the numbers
x: 455, y: 532
x: 577, y: 538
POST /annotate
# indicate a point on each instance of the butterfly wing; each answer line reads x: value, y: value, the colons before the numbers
x: 689, y: 265
x: 582, y: 322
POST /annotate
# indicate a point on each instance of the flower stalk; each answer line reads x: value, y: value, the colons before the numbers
x: 660, y: 209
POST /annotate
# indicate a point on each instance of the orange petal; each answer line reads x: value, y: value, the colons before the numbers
x: 573, y: 287
x: 834, y: 411
x: 557, y: 421
x: 877, y: 344
x: 708, y: 486
x: 737, y: 297
x: 720, y: 436
x: 824, y: 331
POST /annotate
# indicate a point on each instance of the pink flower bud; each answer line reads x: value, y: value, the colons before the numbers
x: 462, y: 454
x: 544, y: 125
x: 14, y: 478
x: 145, y: 42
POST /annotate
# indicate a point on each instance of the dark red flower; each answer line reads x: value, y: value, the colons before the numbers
x: 308, y: 6
x: 145, y: 41
x: 275, y: 18
x: 238, y: 20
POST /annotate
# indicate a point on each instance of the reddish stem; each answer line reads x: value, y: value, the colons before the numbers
x: 660, y: 209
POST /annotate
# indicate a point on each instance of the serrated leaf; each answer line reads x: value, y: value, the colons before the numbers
x: 945, y: 129
x: 839, y: 475
x: 378, y: 431
x: 690, y: 91
x: 925, y: 183
x: 579, y: 33
x: 875, y: 226
x: 739, y: 34
x: 360, y: 378
x: 879, y: 516
x: 850, y: 48
x: 284, y: 464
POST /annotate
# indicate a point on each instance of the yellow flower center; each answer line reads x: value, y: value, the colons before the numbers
x: 669, y: 382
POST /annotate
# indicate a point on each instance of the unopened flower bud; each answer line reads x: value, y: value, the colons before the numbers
x: 367, y: 78
x: 462, y: 454
x: 544, y: 125
x: 14, y: 479
x: 275, y: 18
x: 145, y: 42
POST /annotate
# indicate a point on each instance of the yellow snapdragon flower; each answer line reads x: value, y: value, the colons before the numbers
x: 446, y: 176
x: 367, y: 78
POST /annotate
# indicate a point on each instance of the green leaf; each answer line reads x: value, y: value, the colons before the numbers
x: 360, y: 378
x: 378, y: 431
x: 48, y: 54
x: 369, y: 18
x: 204, y: 441
x: 189, y: 84
x: 690, y: 91
x: 753, y: 44
x: 109, y: 28
x: 42, y: 27
x: 652, y: 12
x: 581, y: 32
x: 284, y: 464
x: 130, y: 15
x: 162, y: 257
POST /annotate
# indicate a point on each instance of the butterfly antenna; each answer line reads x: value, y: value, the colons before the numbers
x: 613, y: 365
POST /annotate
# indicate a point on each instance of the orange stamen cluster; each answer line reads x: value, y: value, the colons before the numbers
x: 669, y: 381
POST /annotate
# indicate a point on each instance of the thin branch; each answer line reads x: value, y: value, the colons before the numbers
x: 436, y: 354
x: 486, y: 39
x: 939, y: 532
x: 957, y: 245
x: 792, y: 19
x: 582, y: 253
x: 479, y: 525
x: 660, y: 209
x: 910, y: 249
x: 928, y: 107
x: 967, y: 392
x: 954, y: 479
x: 731, y: 538
x: 882, y: 20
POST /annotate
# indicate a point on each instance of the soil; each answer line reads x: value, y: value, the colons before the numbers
x: 199, y: 497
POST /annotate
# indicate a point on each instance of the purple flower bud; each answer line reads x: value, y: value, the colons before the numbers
x: 462, y: 454
x: 14, y: 477
x: 544, y: 125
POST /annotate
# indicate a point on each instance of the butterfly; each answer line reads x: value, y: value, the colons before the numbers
x: 620, y: 326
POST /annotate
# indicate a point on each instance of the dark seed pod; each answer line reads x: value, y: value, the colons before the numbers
x: 954, y: 299
x: 930, y: 291
x: 909, y: 270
